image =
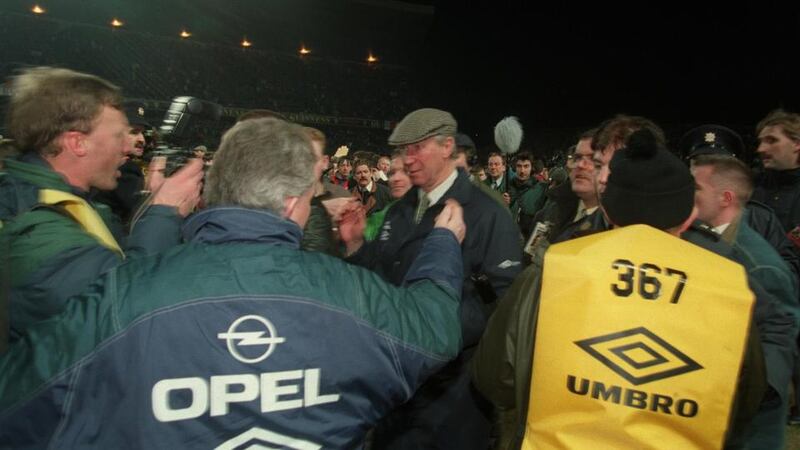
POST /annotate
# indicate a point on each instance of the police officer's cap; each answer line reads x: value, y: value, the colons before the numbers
x: 711, y: 140
x: 422, y: 124
x: 462, y: 140
x: 135, y: 112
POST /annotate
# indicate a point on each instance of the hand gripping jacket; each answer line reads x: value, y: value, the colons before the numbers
x: 234, y: 339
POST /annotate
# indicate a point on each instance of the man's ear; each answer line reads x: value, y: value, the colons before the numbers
x: 728, y: 197
x: 72, y: 142
x: 689, y: 220
x: 449, y: 146
x: 289, y: 203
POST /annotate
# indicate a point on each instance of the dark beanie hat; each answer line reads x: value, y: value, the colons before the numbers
x: 648, y: 185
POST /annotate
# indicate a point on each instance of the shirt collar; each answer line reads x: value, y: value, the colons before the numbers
x: 721, y: 228
x: 498, y: 182
x: 437, y: 192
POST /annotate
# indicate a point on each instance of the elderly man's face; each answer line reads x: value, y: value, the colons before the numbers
x: 581, y: 168
x: 428, y: 162
x: 363, y: 175
x: 107, y: 147
x: 496, y: 167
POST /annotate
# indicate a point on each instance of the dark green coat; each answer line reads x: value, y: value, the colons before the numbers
x: 46, y: 256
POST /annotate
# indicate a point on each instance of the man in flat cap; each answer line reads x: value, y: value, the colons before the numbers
x: 237, y: 338
x: 445, y: 413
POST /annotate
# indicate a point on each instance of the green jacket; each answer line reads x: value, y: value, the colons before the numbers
x: 46, y: 256
x: 527, y: 198
x: 375, y: 222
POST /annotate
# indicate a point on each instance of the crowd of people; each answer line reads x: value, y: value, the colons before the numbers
x: 288, y: 294
x: 160, y: 68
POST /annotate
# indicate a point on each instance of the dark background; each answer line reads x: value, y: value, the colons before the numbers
x: 560, y: 67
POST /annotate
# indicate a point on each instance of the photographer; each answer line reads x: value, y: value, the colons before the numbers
x: 238, y: 338
x: 55, y: 240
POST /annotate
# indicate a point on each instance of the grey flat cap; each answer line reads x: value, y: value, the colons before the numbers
x: 422, y: 124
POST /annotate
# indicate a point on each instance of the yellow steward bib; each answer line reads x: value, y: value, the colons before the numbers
x: 639, y: 343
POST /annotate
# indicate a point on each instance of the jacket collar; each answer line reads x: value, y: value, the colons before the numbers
x: 32, y: 168
x: 460, y: 191
x: 224, y: 224
x: 519, y: 184
x: 784, y: 177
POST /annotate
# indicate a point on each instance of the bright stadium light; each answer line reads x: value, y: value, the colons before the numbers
x: 246, y: 43
x: 37, y: 9
x: 185, y: 34
x: 116, y: 23
x: 371, y: 58
x: 304, y: 50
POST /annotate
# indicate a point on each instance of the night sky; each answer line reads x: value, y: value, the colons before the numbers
x: 569, y: 66
x: 560, y: 67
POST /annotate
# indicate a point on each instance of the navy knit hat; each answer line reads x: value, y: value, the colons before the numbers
x: 648, y: 185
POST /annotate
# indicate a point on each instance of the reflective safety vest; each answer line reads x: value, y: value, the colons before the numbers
x: 639, y: 343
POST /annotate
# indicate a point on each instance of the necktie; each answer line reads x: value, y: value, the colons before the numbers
x: 580, y: 215
x: 421, y: 207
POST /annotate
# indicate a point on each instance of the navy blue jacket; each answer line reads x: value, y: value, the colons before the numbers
x: 236, y: 338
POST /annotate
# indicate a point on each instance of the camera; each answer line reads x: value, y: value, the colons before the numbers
x: 186, y: 123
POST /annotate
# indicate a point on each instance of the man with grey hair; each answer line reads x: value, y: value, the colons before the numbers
x: 238, y: 337
x: 55, y: 240
x: 446, y: 412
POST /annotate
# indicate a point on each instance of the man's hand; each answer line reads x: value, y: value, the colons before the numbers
x: 155, y: 173
x: 506, y: 198
x: 452, y: 218
x: 182, y: 190
x: 351, y: 227
x: 336, y: 207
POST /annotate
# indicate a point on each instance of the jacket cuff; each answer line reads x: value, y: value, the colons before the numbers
x: 439, y: 260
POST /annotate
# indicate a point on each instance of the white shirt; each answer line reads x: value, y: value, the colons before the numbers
x: 436, y: 193
x: 498, y: 183
x: 583, y: 211
x: 721, y: 229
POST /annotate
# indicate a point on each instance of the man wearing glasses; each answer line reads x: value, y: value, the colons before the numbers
x: 568, y: 204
